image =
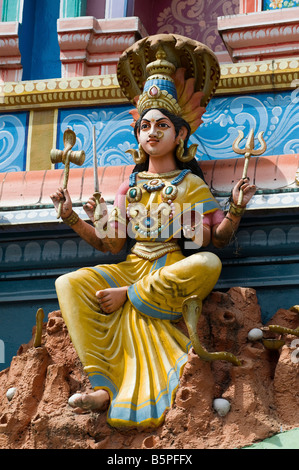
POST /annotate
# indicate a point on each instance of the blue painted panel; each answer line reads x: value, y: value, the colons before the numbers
x: 114, y: 135
x: 277, y: 115
x: 13, y: 141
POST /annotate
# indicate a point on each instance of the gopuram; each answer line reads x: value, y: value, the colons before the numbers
x: 148, y: 211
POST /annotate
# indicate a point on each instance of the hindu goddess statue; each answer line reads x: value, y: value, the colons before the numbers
x: 121, y: 317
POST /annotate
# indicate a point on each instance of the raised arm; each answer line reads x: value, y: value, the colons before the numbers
x: 222, y: 233
x: 110, y: 235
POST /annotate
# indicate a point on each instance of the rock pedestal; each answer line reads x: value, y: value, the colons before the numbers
x: 262, y: 392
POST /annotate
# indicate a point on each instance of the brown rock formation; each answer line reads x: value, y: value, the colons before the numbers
x: 263, y: 392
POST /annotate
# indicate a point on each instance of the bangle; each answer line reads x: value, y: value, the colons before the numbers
x: 236, y: 210
x: 71, y: 219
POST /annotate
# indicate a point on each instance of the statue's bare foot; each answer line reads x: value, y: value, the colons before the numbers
x: 112, y: 299
x: 97, y: 400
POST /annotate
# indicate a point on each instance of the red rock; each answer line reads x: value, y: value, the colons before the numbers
x: 263, y: 391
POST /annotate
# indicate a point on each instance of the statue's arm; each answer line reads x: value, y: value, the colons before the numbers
x: 222, y: 233
x: 107, y: 236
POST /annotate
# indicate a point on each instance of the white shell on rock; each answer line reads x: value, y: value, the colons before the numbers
x: 222, y: 406
x: 10, y: 393
x: 255, y: 334
x: 71, y: 400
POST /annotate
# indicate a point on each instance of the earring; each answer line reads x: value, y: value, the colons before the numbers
x: 138, y: 156
x: 180, y: 150
x: 142, y: 154
x: 191, y: 152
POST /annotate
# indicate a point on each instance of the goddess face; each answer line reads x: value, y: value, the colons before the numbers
x: 157, y: 134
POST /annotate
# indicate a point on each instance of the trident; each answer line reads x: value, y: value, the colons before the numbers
x: 248, y: 151
x: 66, y: 156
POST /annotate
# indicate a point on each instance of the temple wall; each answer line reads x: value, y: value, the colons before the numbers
x: 35, y: 247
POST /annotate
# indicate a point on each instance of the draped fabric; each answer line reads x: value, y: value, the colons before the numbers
x: 137, y: 353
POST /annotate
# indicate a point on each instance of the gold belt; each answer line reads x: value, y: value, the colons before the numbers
x: 154, y: 250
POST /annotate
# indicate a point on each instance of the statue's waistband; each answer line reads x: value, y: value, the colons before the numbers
x: 154, y: 250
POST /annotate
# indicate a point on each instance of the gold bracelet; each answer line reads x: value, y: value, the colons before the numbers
x: 71, y: 219
x: 236, y: 210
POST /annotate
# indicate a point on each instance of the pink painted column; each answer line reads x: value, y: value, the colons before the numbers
x: 90, y: 46
x: 250, y: 6
x: 74, y: 35
x: 10, y: 58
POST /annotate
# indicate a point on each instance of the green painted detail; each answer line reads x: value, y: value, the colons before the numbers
x: 284, y: 440
x: 11, y: 10
x: 133, y: 192
x: 73, y: 8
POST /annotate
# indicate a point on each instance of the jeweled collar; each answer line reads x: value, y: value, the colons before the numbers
x: 178, y: 175
x: 148, y: 175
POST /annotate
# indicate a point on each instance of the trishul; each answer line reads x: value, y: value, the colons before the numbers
x: 248, y: 151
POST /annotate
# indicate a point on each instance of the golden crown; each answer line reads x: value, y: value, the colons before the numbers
x: 159, y: 89
x: 171, y: 72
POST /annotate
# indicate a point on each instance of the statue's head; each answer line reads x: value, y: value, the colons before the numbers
x: 169, y: 72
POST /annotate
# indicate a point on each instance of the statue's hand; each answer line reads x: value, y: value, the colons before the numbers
x: 62, y: 195
x: 248, y: 191
x: 90, y: 206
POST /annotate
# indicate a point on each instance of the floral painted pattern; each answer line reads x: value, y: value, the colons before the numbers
x: 194, y: 19
x: 13, y: 141
x: 274, y: 4
x: 277, y: 115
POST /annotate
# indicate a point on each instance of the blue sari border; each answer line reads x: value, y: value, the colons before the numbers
x: 150, y: 410
x: 107, y: 276
x: 148, y: 309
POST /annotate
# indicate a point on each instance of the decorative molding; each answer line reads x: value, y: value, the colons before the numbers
x: 10, y: 57
x: 259, y: 76
x: 247, y: 77
x: 92, y: 47
x: 261, y: 35
x: 53, y: 93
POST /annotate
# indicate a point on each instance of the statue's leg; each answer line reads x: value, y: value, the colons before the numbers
x: 82, y: 314
x: 162, y: 293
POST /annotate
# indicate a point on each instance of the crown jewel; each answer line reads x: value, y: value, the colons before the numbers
x: 159, y: 89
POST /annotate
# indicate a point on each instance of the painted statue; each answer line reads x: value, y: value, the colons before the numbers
x: 121, y: 317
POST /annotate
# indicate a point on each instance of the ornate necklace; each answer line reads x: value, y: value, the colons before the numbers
x: 134, y: 192
x: 151, y: 223
x: 148, y: 175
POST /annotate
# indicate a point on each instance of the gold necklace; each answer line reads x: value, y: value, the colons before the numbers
x: 147, y: 175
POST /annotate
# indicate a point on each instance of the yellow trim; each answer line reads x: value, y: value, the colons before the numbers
x: 244, y: 77
x: 55, y: 125
x: 253, y: 77
x: 41, y: 135
x: 29, y: 141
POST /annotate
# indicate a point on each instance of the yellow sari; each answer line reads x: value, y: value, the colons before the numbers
x: 136, y: 353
